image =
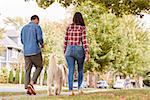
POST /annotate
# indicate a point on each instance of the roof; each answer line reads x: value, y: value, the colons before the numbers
x: 11, y: 33
x: 7, y: 42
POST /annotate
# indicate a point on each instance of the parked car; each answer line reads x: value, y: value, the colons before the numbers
x: 146, y: 80
x: 119, y: 84
x: 102, y: 84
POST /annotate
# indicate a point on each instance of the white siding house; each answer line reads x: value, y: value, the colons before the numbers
x: 12, y: 49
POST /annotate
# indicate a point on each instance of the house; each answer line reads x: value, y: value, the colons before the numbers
x: 12, y: 52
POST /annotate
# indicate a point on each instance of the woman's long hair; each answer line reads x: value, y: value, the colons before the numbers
x: 78, y: 19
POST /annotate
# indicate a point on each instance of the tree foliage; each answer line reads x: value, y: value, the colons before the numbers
x: 53, y: 38
x: 118, y: 7
x: 115, y: 43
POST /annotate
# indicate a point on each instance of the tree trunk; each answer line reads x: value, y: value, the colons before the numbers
x: 89, y: 79
x: 94, y: 79
x: 20, y: 74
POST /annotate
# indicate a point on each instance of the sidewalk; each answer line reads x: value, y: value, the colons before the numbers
x: 13, y: 88
x: 20, y: 88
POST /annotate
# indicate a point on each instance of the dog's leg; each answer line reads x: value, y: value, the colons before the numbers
x: 56, y: 88
x: 60, y: 81
x: 60, y: 87
x: 49, y: 83
x: 49, y: 91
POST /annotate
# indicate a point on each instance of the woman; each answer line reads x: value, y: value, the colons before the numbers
x: 76, y: 49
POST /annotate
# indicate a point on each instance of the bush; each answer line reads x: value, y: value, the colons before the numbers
x: 23, y: 77
x: 3, y: 75
x: 17, y: 77
x: 10, y: 80
x: 45, y: 77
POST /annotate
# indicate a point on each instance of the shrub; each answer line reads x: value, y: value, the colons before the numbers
x: 45, y: 77
x: 3, y: 75
x: 17, y: 77
x: 23, y: 77
x: 10, y: 80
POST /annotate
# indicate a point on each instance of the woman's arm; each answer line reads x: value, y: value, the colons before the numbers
x: 84, y: 41
x: 85, y: 44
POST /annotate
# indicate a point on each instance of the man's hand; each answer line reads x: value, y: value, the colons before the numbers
x: 42, y: 45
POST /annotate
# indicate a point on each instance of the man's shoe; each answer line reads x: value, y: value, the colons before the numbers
x: 28, y: 92
x: 31, y: 89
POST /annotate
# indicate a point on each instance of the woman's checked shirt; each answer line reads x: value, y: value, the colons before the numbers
x: 76, y: 35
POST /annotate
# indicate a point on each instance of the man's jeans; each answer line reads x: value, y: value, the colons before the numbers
x: 37, y: 61
x: 75, y: 53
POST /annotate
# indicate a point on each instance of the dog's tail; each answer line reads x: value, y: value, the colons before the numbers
x: 65, y: 69
x: 64, y: 73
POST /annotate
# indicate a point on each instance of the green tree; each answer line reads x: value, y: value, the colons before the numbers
x: 46, y: 3
x: 116, y: 44
x: 53, y: 38
x: 118, y: 7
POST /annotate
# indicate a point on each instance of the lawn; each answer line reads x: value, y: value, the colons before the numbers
x: 135, y: 94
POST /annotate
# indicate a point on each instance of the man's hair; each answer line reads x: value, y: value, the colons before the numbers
x: 34, y: 17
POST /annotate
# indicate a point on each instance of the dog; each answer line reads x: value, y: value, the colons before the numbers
x: 57, y: 74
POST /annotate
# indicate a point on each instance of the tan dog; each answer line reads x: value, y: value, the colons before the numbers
x: 57, y: 74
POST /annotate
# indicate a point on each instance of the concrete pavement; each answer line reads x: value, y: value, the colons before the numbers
x: 18, y: 88
x: 13, y: 88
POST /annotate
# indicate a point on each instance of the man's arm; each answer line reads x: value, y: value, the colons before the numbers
x: 22, y: 36
x: 40, y: 36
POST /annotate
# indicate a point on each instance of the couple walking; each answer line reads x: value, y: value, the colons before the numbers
x: 75, y: 49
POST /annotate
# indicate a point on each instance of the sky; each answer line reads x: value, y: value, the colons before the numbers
x: 20, y: 8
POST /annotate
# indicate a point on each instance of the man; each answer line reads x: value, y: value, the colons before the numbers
x: 32, y: 40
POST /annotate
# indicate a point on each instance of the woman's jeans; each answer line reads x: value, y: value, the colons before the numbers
x: 75, y: 53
